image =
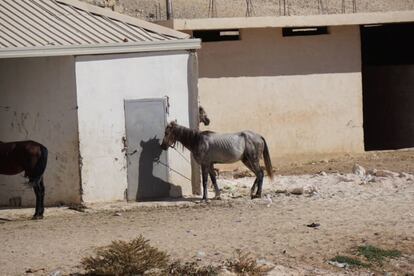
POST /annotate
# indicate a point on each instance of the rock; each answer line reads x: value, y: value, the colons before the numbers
x: 322, y: 173
x: 201, y: 254
x: 337, y: 264
x: 345, y: 179
x: 240, y: 174
x: 309, y: 190
x: 403, y: 175
x: 264, y: 262
x: 55, y: 273
x: 359, y: 170
x: 225, y: 174
x: 384, y: 173
x: 269, y: 200
x: 367, y: 178
x: 225, y: 271
x: 296, y: 191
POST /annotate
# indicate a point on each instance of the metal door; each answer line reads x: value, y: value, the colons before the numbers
x: 147, y: 171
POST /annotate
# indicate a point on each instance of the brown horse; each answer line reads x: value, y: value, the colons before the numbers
x: 30, y: 157
x: 202, y: 116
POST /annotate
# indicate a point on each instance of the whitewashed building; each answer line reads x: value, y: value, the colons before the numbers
x: 314, y: 86
x: 96, y: 88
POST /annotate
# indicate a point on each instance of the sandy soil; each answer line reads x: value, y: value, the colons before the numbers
x: 352, y: 210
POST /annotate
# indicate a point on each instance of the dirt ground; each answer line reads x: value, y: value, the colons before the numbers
x: 352, y: 209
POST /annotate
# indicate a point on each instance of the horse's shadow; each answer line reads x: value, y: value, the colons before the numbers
x: 152, y: 187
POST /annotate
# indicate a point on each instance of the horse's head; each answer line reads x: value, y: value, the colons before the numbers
x: 202, y: 115
x: 169, y: 137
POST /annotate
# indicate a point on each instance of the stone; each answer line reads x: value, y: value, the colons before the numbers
x: 309, y: 190
x: 296, y: 191
x: 384, y: 173
x: 359, y: 170
x: 55, y: 273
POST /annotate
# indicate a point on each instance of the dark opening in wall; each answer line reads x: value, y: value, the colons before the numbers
x: 388, y: 86
x: 300, y: 31
x: 217, y: 35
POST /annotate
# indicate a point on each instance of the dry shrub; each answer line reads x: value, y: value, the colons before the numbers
x: 191, y: 269
x: 245, y: 264
x: 126, y: 258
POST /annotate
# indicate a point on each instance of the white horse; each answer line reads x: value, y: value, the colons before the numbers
x: 209, y: 148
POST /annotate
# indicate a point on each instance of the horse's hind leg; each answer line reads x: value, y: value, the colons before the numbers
x: 42, y: 198
x: 204, y: 173
x: 39, y: 190
x: 254, y: 166
x: 214, y: 181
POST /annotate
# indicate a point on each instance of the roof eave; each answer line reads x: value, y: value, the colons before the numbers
x: 113, y: 48
x: 290, y: 21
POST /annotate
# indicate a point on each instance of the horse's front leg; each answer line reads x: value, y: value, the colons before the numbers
x: 204, y: 172
x: 214, y: 181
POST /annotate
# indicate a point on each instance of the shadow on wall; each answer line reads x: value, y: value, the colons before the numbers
x: 265, y: 52
x: 149, y: 185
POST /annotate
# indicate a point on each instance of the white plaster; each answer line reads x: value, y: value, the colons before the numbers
x: 103, y: 83
x: 303, y: 93
x: 38, y: 102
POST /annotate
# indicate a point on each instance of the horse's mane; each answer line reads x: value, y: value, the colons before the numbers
x: 186, y: 136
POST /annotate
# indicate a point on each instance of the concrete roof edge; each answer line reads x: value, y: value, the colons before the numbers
x: 290, y: 21
x: 110, y: 48
x: 125, y: 18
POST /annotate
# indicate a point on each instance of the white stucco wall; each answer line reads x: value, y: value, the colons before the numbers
x: 38, y: 102
x: 303, y: 93
x: 103, y: 83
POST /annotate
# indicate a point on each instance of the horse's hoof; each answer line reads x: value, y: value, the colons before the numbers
x: 217, y: 197
x: 36, y: 217
x: 256, y: 196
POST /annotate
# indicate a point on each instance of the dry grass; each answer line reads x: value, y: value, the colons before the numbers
x: 191, y: 269
x: 245, y: 264
x: 126, y: 258
x: 137, y: 257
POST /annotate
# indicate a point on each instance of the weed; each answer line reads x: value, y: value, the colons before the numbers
x: 244, y: 264
x: 348, y: 260
x: 126, y: 258
x: 373, y: 253
x: 191, y: 269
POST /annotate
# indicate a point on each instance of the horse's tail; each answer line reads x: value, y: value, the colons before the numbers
x: 268, y: 162
x: 40, y: 166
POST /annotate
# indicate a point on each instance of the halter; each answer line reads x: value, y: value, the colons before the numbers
x: 173, y: 144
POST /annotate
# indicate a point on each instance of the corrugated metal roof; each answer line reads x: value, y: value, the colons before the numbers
x: 59, y: 24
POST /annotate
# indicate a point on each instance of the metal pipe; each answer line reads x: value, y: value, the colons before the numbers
x: 169, y: 9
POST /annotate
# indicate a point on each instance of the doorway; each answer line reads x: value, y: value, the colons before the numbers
x: 388, y: 86
x: 147, y: 164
